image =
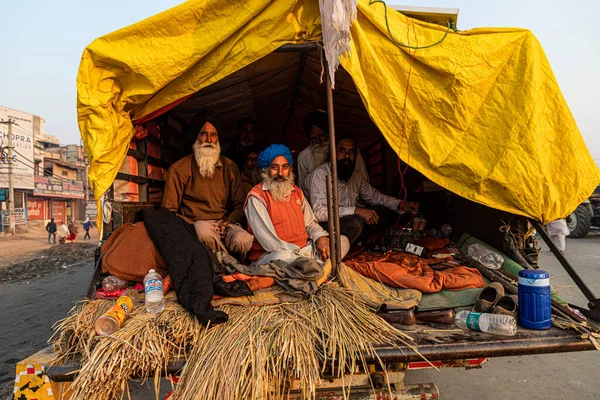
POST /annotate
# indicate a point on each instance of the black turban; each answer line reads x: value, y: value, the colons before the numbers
x: 200, y: 119
x: 315, y: 118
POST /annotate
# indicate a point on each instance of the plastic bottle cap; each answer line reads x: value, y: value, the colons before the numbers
x: 151, y: 271
x: 533, y: 274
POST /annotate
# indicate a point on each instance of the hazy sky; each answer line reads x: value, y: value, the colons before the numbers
x: 42, y: 43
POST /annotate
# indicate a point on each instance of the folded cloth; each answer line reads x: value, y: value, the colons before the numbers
x: 433, y: 243
x: 401, y: 270
x: 301, y: 276
x: 190, y: 262
x: 129, y: 253
x: 376, y: 294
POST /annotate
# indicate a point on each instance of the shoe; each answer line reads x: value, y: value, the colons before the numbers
x: 488, y: 297
x: 507, y: 305
x: 402, y: 319
x: 438, y: 319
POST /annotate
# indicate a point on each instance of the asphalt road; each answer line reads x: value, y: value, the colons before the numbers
x: 29, y: 309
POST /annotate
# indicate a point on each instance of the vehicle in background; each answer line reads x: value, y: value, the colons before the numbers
x: 586, y: 216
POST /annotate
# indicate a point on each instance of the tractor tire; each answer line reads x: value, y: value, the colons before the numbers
x: 579, y: 222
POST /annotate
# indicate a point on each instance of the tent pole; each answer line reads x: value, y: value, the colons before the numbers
x: 333, y: 160
x: 331, y: 226
x: 594, y: 302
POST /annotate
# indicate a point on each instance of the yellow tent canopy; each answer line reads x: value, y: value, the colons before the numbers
x: 480, y: 114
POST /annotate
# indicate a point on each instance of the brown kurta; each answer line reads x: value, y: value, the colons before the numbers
x: 220, y: 197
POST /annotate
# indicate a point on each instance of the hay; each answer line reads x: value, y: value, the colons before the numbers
x: 254, y: 355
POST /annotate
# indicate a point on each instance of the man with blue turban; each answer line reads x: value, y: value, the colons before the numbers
x: 280, y: 218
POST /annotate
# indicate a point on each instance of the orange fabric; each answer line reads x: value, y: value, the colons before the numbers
x: 433, y: 243
x: 287, y: 218
x: 129, y: 253
x: 254, y: 282
x: 408, y: 271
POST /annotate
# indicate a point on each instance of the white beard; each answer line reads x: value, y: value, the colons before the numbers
x: 320, y: 154
x: 280, y: 190
x: 207, y: 155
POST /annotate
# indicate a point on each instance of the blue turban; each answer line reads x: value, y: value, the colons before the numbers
x: 266, y: 157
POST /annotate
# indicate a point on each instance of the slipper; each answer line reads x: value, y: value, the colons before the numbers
x: 488, y: 297
x: 506, y: 305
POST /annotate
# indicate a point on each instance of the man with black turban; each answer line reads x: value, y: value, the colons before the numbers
x: 206, y: 189
x: 316, y: 129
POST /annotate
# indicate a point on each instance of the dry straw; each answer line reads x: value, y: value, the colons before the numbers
x: 256, y: 355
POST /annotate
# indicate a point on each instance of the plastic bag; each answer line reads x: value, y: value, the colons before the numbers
x: 485, y: 256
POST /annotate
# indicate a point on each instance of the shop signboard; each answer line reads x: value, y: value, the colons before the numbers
x: 22, y: 157
x: 56, y: 187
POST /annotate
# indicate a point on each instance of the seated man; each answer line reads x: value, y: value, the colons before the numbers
x: 280, y: 218
x: 316, y: 129
x: 251, y: 175
x: 206, y: 189
x: 352, y: 186
x: 246, y: 133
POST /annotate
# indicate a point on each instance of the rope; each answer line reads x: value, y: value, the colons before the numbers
x: 449, y: 25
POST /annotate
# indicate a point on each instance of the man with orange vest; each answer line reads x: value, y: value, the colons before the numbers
x: 280, y: 218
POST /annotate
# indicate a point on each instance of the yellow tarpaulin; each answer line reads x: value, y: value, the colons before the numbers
x: 484, y: 115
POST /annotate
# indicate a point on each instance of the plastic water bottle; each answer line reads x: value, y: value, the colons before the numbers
x: 112, y: 283
x: 112, y: 320
x: 488, y: 258
x: 153, y: 286
x: 496, y: 324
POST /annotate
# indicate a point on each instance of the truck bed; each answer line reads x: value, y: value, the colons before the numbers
x: 434, y: 345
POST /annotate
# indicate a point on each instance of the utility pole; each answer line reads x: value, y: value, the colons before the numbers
x: 11, y: 191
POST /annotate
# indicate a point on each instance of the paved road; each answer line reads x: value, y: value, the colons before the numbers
x: 30, y: 309
x: 551, y: 376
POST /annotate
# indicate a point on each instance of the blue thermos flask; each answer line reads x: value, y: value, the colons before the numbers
x: 535, y: 305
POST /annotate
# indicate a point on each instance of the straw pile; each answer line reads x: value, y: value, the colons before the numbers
x: 254, y: 355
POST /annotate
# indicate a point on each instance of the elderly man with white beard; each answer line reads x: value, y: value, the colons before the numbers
x: 280, y: 217
x: 316, y: 129
x: 206, y: 189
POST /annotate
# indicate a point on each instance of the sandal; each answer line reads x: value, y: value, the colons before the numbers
x: 506, y: 305
x: 488, y: 297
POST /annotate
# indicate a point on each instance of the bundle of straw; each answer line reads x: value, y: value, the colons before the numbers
x: 143, y: 347
x: 255, y: 355
x: 258, y: 353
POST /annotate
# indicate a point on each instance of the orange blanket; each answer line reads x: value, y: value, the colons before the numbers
x: 408, y: 271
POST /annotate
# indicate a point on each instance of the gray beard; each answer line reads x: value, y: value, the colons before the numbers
x: 320, y: 154
x: 280, y: 191
x: 207, y: 155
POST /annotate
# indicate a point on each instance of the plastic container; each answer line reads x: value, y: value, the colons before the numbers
x: 535, y: 305
x: 112, y: 283
x: 153, y: 286
x: 496, y: 324
x: 488, y: 258
x: 112, y: 320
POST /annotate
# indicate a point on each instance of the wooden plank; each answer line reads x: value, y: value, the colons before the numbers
x: 139, y: 179
x: 138, y: 155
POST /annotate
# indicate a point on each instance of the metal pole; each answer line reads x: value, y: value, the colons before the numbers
x: 11, y: 190
x: 594, y: 301
x: 333, y: 160
x: 331, y: 226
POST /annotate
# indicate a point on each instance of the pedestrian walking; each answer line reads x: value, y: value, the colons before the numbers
x: 63, y: 232
x: 51, y: 229
x: 87, y: 225
x: 73, y: 231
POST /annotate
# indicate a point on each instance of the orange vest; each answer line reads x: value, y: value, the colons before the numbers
x: 287, y: 218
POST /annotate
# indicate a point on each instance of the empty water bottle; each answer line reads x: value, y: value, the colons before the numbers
x: 112, y: 320
x: 497, y: 324
x: 112, y: 283
x: 486, y: 257
x: 153, y: 286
